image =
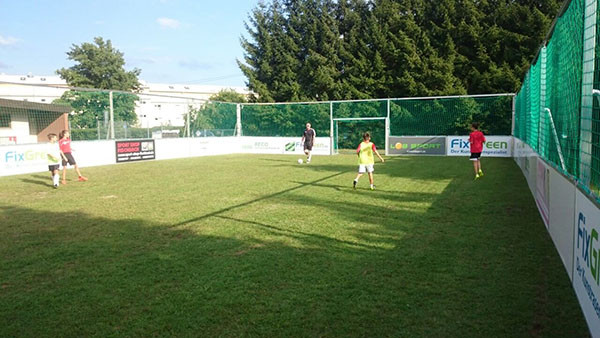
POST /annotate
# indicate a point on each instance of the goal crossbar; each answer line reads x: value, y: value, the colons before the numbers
x: 359, y: 118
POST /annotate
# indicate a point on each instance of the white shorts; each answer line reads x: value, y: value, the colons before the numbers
x: 362, y: 168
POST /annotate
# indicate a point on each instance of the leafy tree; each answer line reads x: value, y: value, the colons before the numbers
x: 99, y: 65
x: 217, y: 113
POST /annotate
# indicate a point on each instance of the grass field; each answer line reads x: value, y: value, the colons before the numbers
x: 251, y: 245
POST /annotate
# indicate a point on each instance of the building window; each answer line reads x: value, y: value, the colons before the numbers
x: 43, y: 79
x: 43, y: 100
x: 23, y: 78
x: 4, y: 120
x: 186, y: 87
x: 171, y: 87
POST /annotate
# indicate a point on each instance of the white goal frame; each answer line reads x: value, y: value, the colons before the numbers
x: 334, y: 132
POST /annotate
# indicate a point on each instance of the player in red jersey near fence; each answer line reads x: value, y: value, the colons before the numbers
x: 65, y: 150
x: 476, y: 139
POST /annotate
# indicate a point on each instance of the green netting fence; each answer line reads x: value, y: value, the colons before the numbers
x: 557, y: 110
x: 451, y: 115
x: 407, y: 117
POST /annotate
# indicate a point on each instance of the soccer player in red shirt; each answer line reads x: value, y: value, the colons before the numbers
x: 65, y: 149
x: 476, y: 139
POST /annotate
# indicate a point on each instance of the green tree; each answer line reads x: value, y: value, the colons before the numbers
x: 99, y: 65
x: 217, y: 113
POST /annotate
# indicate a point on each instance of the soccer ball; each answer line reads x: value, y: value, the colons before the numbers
x: 300, y: 161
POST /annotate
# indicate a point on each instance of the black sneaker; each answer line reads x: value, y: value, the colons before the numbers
x: 56, y: 186
x: 354, y: 184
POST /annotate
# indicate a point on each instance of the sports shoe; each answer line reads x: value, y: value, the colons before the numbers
x: 354, y: 184
x: 480, y: 173
x: 82, y: 179
x: 56, y: 186
x: 372, y: 187
x: 477, y: 177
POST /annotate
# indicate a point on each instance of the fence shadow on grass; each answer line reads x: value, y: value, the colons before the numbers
x: 427, y: 264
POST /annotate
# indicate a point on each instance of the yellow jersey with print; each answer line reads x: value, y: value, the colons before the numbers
x: 365, y: 153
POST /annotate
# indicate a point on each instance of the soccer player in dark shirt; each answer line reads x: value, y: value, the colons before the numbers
x: 308, y: 139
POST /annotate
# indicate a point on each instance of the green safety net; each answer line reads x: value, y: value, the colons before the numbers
x: 349, y: 134
x: 550, y: 114
x: 287, y: 119
x: 353, y: 119
x: 591, y: 128
x: 451, y: 116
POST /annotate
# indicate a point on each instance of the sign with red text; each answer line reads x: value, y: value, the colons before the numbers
x: 138, y: 150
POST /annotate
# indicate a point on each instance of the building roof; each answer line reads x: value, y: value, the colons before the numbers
x: 26, y: 105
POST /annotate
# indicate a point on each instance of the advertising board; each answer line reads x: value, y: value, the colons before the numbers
x: 409, y: 145
x: 495, y: 146
x: 134, y: 150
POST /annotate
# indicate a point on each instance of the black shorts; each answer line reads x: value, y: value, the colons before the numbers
x: 308, y: 146
x: 53, y: 167
x: 475, y: 156
x: 70, y: 160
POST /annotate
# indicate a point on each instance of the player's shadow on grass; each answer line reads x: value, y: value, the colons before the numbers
x: 45, y: 183
x: 274, y: 160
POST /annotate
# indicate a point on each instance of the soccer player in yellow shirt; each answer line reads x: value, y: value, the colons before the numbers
x: 366, y: 160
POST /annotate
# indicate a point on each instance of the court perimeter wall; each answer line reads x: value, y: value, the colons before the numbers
x: 573, y: 222
x: 31, y: 158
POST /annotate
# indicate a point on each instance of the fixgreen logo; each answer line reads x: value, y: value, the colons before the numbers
x: 290, y: 146
x: 496, y: 145
x: 587, y: 242
x: 29, y: 155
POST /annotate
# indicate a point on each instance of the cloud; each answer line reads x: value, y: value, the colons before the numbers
x: 195, y: 65
x: 168, y: 23
x: 147, y: 60
x: 8, y: 40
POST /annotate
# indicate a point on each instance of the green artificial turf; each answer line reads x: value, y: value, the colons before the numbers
x: 258, y: 245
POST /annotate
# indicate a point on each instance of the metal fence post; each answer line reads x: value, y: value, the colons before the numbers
x: 238, y: 120
x: 587, y: 92
x: 112, y: 116
x: 331, y: 150
x: 387, y: 128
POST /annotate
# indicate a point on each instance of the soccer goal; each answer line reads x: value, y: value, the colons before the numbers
x: 347, y: 132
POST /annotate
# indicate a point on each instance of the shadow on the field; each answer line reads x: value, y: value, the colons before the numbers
x: 300, y: 235
x: 414, y: 264
x: 269, y: 196
x: 410, y: 167
x: 47, y: 182
x: 275, y: 160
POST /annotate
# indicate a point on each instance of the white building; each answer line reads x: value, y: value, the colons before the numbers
x: 159, y: 104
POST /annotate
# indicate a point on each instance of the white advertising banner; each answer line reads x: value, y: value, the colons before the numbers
x: 283, y: 145
x: 495, y: 146
x: 542, y: 190
x: 586, y: 274
x: 94, y: 153
x: 171, y: 148
x: 562, y: 208
x: 21, y: 159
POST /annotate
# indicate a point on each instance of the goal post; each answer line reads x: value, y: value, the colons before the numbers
x: 335, y: 126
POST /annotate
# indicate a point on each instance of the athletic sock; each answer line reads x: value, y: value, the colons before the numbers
x: 55, y: 179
